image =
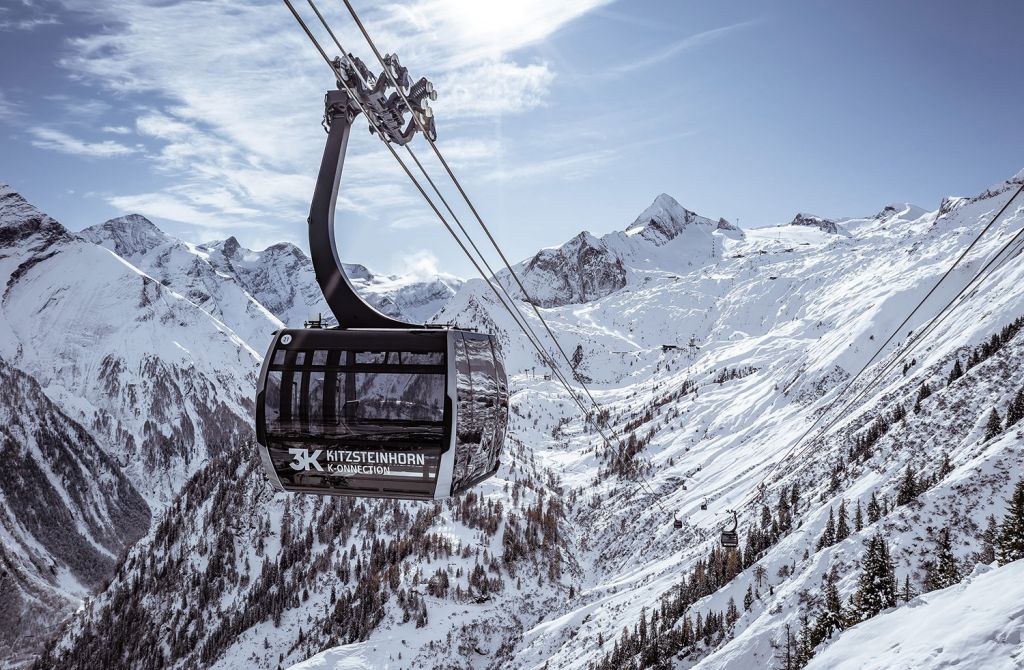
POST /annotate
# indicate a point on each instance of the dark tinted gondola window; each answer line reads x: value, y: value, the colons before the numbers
x: 499, y: 431
x: 272, y: 395
x: 316, y: 400
x: 358, y: 398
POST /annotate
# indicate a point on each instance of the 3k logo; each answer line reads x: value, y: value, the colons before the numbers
x: 304, y: 460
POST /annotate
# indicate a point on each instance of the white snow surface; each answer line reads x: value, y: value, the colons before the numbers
x: 977, y: 623
x: 677, y: 297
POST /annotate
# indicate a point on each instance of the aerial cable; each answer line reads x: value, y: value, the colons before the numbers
x: 483, y: 259
x: 513, y: 312
x: 469, y: 202
x: 998, y: 260
x: 387, y: 72
x: 912, y: 342
x: 523, y: 325
x: 544, y: 356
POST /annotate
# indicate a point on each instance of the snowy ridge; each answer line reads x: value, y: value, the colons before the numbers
x: 160, y: 383
x: 666, y: 237
x: 712, y: 354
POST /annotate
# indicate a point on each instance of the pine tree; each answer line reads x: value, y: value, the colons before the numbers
x: 994, y: 425
x: 908, y: 593
x: 1015, y: 412
x: 1010, y: 545
x: 748, y: 599
x: 874, y: 509
x: 858, y: 518
x: 843, y: 524
x: 828, y: 536
x: 956, y: 373
x: 923, y: 392
x: 876, y: 589
x: 945, y: 466
x: 731, y: 614
x: 943, y: 568
x: 989, y: 538
x: 832, y: 618
x: 805, y: 641
x: 787, y: 653
x: 785, y: 518
x: 908, y: 487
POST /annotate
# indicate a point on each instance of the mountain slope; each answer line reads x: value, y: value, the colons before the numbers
x: 712, y: 358
x: 281, y: 278
x: 67, y: 514
x: 158, y: 382
x: 975, y: 624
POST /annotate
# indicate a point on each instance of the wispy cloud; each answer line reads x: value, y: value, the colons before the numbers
x: 572, y: 167
x: 8, y: 110
x: 672, y: 50
x: 117, y: 130
x: 57, y: 140
x: 27, y: 17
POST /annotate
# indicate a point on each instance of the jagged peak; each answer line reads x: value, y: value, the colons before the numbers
x: 230, y: 246
x: 126, y: 235
x: 19, y: 217
x: 664, y: 219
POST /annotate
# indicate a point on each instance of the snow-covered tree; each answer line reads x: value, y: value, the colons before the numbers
x: 876, y: 590
x: 943, y: 567
x: 833, y: 617
x: 842, y: 524
x: 1010, y: 545
x: 994, y: 425
x: 908, y: 487
x: 908, y: 592
x: 956, y: 373
x: 828, y: 536
x: 1015, y: 412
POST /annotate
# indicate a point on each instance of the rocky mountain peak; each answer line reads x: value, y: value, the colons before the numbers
x: 20, y: 219
x: 664, y: 220
x: 230, y: 246
x: 128, y: 236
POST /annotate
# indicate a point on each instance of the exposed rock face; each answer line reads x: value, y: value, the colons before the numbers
x: 587, y: 268
x: 665, y: 219
x: 581, y: 270
x: 823, y: 224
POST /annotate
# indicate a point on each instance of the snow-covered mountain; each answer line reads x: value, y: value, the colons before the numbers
x: 160, y: 383
x: 255, y: 292
x: 713, y: 350
x: 281, y: 277
x: 666, y: 237
x: 68, y: 512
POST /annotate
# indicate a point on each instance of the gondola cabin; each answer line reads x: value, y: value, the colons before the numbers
x: 410, y: 414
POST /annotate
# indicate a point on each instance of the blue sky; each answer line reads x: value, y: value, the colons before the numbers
x: 559, y: 116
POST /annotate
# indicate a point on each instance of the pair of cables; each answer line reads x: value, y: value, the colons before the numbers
x: 1012, y: 246
x: 591, y: 413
